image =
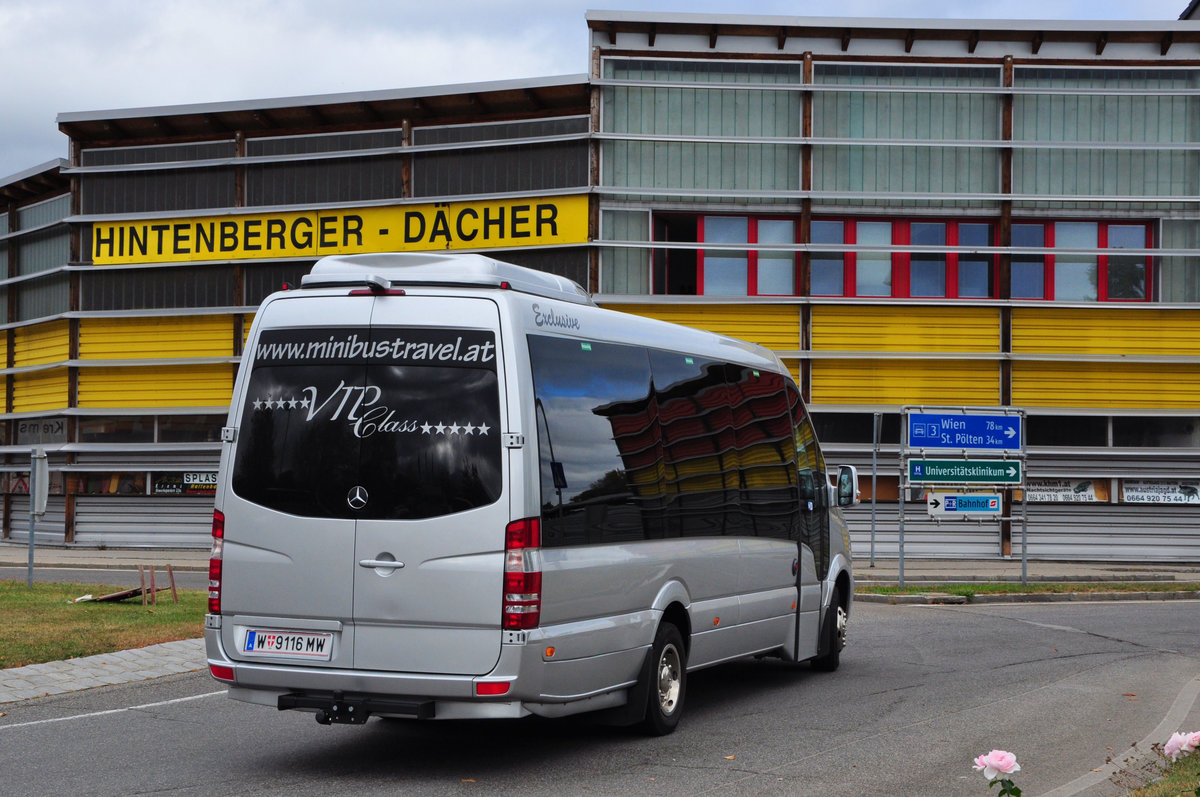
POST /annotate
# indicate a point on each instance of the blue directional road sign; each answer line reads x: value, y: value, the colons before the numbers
x: 957, y: 430
x: 964, y: 504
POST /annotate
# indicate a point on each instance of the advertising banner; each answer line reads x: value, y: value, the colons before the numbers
x: 440, y: 226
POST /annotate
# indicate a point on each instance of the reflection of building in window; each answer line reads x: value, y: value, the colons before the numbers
x: 690, y: 447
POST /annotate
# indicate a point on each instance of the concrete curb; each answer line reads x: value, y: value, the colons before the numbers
x: 935, y: 598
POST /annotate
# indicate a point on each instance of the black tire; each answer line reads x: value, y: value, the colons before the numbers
x: 835, y: 635
x: 668, y: 681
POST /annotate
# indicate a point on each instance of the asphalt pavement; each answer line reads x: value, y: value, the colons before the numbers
x: 171, y: 658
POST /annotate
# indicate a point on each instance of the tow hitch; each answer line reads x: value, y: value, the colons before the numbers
x: 344, y: 712
x: 344, y: 709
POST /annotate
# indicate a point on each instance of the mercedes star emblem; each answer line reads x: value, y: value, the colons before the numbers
x: 357, y: 497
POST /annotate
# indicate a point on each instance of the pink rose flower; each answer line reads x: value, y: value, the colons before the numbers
x: 1177, y: 745
x: 997, y: 762
x: 1194, y: 741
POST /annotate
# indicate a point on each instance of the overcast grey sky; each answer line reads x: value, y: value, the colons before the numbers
x: 61, y: 56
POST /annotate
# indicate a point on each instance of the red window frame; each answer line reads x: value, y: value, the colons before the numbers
x: 902, y: 261
x: 751, y: 252
x: 1048, y: 228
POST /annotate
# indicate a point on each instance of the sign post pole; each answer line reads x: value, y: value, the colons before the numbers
x: 39, y: 490
x: 874, y: 480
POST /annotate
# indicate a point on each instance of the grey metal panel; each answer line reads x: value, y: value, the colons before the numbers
x: 1077, y: 532
x: 49, y: 529
x: 180, y: 189
x: 144, y: 521
x: 923, y: 538
x: 157, y: 461
x: 1110, y: 463
x: 1113, y: 532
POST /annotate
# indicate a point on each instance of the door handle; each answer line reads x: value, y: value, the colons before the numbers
x: 373, y: 563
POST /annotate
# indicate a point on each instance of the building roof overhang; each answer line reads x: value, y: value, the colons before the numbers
x: 35, y: 183
x: 607, y: 25
x: 284, y: 115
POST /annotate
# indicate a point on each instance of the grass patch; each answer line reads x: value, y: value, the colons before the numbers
x: 39, y: 624
x: 1016, y: 588
x: 1180, y: 779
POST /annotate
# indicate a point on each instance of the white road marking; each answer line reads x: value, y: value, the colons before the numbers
x: 111, y: 711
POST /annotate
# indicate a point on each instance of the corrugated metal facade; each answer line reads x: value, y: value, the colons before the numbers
x: 157, y: 386
x: 1055, y: 531
x: 124, y: 521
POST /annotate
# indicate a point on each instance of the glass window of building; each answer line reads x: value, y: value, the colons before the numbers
x: 827, y: 269
x: 1076, y: 275
x: 1126, y: 273
x: 873, y: 269
x: 121, y: 429
x: 1029, y: 268
x: 974, y: 270
x: 927, y: 270
x: 726, y: 271
x: 776, y: 271
x: 1080, y: 268
x: 748, y: 271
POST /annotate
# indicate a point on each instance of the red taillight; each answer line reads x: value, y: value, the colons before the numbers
x: 214, y: 566
x: 522, y: 607
x: 491, y: 688
x: 221, y: 672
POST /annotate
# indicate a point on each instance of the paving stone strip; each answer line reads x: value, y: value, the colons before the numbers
x: 104, y: 669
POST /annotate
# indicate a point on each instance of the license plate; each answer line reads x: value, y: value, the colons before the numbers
x: 305, y: 644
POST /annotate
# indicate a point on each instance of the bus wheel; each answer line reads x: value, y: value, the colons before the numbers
x: 668, y: 681
x: 835, y: 635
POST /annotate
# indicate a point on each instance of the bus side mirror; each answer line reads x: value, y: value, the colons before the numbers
x: 847, y: 485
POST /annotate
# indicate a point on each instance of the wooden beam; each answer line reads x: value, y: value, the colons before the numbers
x: 712, y: 38
x: 214, y: 123
x: 1038, y: 38
x: 612, y: 33
x: 653, y: 34
x: 846, y: 40
x: 316, y: 114
x: 369, y: 111
x: 1101, y: 43
x: 1167, y: 40
x: 973, y: 41
x: 910, y: 39
x: 533, y: 100
x: 781, y: 38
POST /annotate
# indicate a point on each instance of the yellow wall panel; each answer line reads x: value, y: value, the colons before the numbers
x: 1105, y: 330
x: 906, y: 382
x: 42, y: 343
x: 40, y: 390
x: 776, y: 326
x: 167, y: 386
x: 905, y: 328
x: 155, y: 338
x: 1116, y: 385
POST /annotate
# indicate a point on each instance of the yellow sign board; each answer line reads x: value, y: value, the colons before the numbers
x: 533, y: 221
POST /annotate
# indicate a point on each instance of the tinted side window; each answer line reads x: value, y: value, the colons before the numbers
x: 597, y: 438
x: 766, y: 452
x: 411, y: 415
x: 699, y: 453
x: 814, y: 495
